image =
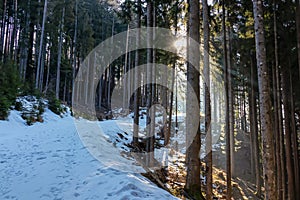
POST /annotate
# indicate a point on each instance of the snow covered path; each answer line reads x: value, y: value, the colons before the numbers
x: 49, y: 161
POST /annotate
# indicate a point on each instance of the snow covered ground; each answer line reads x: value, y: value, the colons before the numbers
x: 49, y: 161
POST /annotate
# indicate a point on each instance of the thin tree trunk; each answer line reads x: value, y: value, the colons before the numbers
x: 74, y: 64
x: 288, y: 133
x: 13, y: 43
x: 86, y: 81
x: 24, y: 46
x: 129, y: 79
x: 3, y: 29
x: 65, y: 89
x: 231, y: 102
x: 29, y: 64
x: 227, y: 108
x: 281, y: 135
x: 137, y: 80
x: 6, y: 41
x: 176, y: 103
x: 153, y: 85
x: 41, y: 79
x: 265, y: 104
x: 168, y: 128
x: 168, y: 135
x: 125, y: 84
x: 41, y: 46
x: 251, y: 104
x: 57, y: 88
x: 298, y: 31
x: 110, y: 70
x: 150, y: 135
x: 48, y: 71
x: 206, y: 73
x: 254, y: 128
x: 277, y: 141
x: 277, y: 123
x: 294, y: 139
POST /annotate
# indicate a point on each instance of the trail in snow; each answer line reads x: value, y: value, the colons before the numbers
x: 49, y: 161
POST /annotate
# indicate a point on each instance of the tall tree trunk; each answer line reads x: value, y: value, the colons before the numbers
x: 48, y: 60
x: 30, y: 70
x: 150, y: 135
x: 193, y: 185
x: 280, y: 132
x: 74, y: 64
x: 168, y: 128
x: 24, y: 45
x: 265, y: 104
x: 176, y: 102
x: 206, y: 73
x: 168, y: 135
x: 254, y: 128
x: 137, y: 80
x: 294, y: 138
x: 110, y: 73
x: 277, y: 112
x: 37, y: 83
x: 164, y: 96
x: 125, y: 84
x: 59, y: 54
x: 288, y: 133
x: 231, y: 101
x: 41, y: 78
x: 13, y: 43
x: 298, y: 31
x: 3, y: 29
x: 6, y: 40
x: 281, y: 181
x: 153, y: 85
x: 227, y: 107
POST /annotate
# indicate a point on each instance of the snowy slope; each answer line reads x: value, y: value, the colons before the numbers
x: 49, y: 161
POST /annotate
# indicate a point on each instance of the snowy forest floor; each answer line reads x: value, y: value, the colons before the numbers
x: 49, y: 161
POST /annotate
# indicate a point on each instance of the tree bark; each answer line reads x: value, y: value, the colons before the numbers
x: 288, y: 133
x: 13, y: 42
x: 153, y: 81
x: 59, y: 55
x: 193, y: 185
x: 24, y: 46
x: 265, y: 104
x: 3, y: 29
x: 74, y: 63
x: 254, y: 128
x: 150, y: 135
x: 137, y: 80
x: 125, y: 82
x: 294, y: 138
x: 227, y: 106
x: 231, y: 101
x: 206, y: 73
x: 38, y: 70
x: 277, y: 112
x: 168, y: 128
x: 298, y: 31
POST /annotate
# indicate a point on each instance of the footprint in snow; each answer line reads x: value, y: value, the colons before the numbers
x: 76, y: 194
x: 41, y: 158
